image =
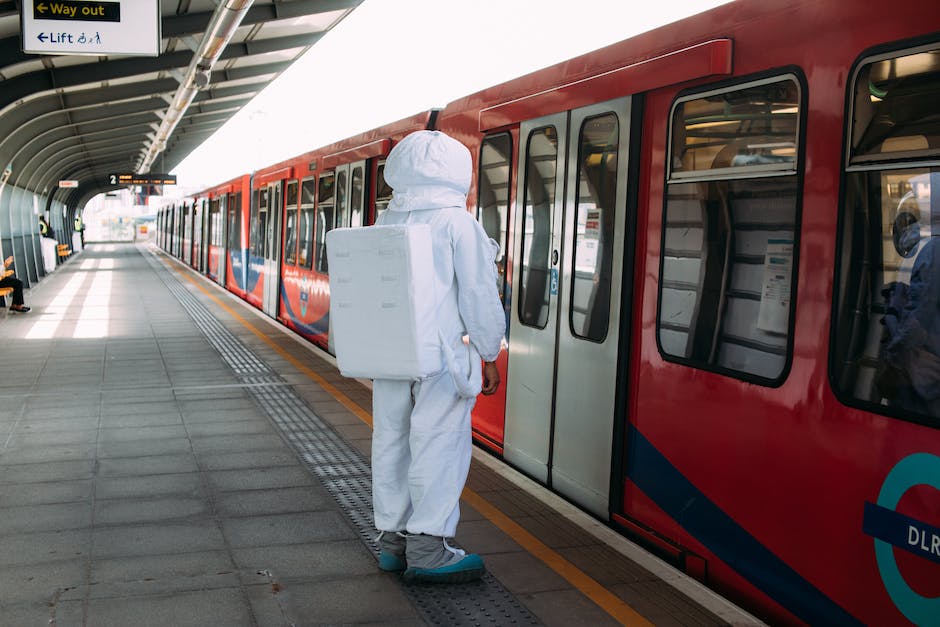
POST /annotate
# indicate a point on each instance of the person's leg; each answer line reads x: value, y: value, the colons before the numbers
x: 441, y: 449
x: 441, y: 445
x: 391, y: 457
x: 17, y: 285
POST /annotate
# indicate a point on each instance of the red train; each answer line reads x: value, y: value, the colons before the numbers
x: 705, y: 232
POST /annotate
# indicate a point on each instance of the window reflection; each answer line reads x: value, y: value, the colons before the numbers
x: 594, y: 223
x: 538, y: 210
x: 493, y: 197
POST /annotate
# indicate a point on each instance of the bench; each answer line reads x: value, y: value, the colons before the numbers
x: 4, y: 292
x: 63, y: 250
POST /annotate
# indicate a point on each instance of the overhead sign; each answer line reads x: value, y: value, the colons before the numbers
x: 78, y: 10
x: 68, y: 183
x: 142, y: 179
x: 128, y: 27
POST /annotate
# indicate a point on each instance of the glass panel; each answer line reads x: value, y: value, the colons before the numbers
x: 307, y: 193
x: 325, y: 216
x: 234, y: 222
x: 538, y: 209
x: 290, y: 231
x: 727, y: 272
x: 594, y: 223
x: 750, y: 128
x: 342, y: 202
x: 258, y: 222
x: 895, y: 108
x: 887, y: 344
x: 493, y: 197
x: 215, y: 222
x: 290, y: 237
x: 356, y: 197
x: 273, y: 225
x: 383, y: 193
x: 290, y: 198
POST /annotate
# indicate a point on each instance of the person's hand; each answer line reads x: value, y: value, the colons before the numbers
x: 490, y: 378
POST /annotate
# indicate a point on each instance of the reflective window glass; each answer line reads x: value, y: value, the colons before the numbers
x: 493, y: 197
x: 307, y: 194
x: 538, y: 209
x: 234, y: 222
x: 895, y: 108
x: 383, y: 193
x: 341, y: 217
x: 356, y: 196
x: 727, y: 277
x: 594, y: 224
x: 886, y: 342
x: 290, y: 224
x: 325, y: 214
x: 736, y: 132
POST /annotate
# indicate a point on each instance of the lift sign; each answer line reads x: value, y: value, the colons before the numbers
x: 891, y: 529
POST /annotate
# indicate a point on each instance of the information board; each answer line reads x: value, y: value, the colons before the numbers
x: 127, y: 27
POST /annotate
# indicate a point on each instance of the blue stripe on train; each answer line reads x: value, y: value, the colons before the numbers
x: 706, y: 522
x: 317, y: 327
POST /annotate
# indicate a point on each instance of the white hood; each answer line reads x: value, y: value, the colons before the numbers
x: 428, y: 170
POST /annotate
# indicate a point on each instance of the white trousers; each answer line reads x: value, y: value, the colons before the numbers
x: 421, y: 448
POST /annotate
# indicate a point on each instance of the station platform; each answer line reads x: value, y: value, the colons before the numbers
x: 170, y: 456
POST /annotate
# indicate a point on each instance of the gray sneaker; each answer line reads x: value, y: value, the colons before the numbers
x: 391, y: 551
x: 431, y: 560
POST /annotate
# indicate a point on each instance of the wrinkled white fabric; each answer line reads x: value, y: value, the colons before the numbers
x: 421, y: 442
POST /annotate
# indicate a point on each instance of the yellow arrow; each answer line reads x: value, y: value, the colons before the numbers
x: 41, y: 8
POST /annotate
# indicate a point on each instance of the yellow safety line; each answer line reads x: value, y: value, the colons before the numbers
x: 610, y: 603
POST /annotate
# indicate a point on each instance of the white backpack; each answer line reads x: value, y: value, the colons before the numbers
x: 383, y: 306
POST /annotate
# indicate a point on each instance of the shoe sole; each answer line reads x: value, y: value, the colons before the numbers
x: 464, y: 571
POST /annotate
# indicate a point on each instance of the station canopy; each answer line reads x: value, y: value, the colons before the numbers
x: 79, y: 117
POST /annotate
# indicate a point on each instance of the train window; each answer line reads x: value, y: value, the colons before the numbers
x: 307, y: 193
x: 215, y: 222
x: 886, y: 340
x: 290, y: 224
x: 594, y: 223
x: 356, y: 197
x: 727, y: 275
x: 325, y: 218
x: 383, y: 193
x: 234, y: 222
x: 341, y: 217
x: 493, y: 197
x: 538, y: 207
x: 258, y: 222
x: 894, y: 108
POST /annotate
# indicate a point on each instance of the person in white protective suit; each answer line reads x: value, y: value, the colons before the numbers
x: 421, y: 442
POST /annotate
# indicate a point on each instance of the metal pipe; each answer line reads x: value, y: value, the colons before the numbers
x: 228, y: 16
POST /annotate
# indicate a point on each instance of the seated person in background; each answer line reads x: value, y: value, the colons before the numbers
x: 8, y: 280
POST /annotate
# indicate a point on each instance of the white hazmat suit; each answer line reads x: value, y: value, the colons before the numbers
x: 421, y: 441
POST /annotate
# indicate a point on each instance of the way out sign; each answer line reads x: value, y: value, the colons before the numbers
x: 129, y: 27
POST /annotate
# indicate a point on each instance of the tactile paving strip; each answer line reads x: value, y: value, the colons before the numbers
x: 343, y: 471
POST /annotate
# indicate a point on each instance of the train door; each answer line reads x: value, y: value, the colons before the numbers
x: 565, y: 325
x: 272, y: 247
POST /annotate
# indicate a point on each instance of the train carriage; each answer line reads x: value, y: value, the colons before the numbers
x: 296, y: 203
x: 718, y: 265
